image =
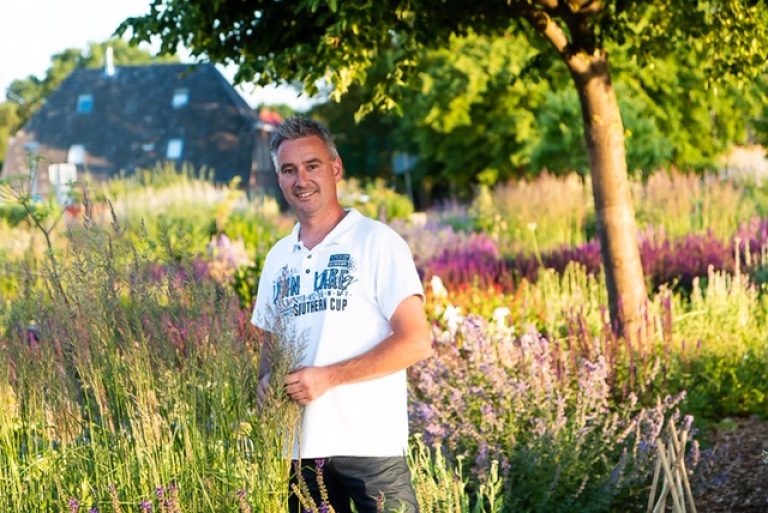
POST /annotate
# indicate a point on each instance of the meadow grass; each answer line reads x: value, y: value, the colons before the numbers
x: 130, y: 384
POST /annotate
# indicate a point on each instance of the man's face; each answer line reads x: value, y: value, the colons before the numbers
x: 307, y: 175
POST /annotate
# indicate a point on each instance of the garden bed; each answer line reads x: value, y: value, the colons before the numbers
x: 732, y: 475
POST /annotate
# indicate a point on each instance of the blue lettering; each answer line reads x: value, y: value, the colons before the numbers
x: 286, y: 286
x: 294, y: 285
x: 339, y: 279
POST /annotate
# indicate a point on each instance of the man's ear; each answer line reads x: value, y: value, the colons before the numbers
x: 338, y: 169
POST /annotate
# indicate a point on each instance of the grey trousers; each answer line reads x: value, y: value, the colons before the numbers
x: 374, y: 485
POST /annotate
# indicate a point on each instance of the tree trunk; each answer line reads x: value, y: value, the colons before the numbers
x: 616, y: 226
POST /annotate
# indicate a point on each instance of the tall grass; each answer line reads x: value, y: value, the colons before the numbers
x: 541, y: 213
x: 683, y: 204
x: 134, y: 382
x: 538, y: 215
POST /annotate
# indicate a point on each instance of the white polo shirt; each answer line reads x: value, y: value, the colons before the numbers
x: 336, y: 302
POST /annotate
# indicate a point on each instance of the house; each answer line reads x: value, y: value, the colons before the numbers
x: 119, y: 119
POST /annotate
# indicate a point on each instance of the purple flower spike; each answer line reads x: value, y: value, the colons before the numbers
x: 145, y: 506
x: 74, y: 505
x: 688, y: 422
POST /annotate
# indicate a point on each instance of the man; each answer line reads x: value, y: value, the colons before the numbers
x: 345, y: 286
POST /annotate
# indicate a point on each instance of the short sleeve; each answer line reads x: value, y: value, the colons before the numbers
x: 263, y: 312
x: 396, y: 274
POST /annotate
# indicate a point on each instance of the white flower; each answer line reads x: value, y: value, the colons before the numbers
x: 438, y: 289
x: 499, y: 314
x: 453, y: 317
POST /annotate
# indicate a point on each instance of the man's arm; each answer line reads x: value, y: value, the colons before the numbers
x: 410, y: 342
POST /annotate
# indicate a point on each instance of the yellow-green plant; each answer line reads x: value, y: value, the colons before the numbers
x: 138, y: 389
x: 548, y: 212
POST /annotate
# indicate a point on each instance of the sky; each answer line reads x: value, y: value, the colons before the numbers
x: 31, y: 31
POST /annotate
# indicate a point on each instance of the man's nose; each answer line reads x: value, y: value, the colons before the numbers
x: 302, y: 176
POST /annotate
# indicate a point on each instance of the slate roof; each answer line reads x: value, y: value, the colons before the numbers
x: 132, y: 121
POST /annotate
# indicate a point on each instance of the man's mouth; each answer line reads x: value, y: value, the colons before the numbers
x: 304, y: 194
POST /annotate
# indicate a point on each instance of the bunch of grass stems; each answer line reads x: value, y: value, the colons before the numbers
x: 120, y: 378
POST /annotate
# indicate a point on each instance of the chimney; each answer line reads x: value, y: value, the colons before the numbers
x: 109, y: 63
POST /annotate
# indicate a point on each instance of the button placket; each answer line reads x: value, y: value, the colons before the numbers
x: 308, y: 257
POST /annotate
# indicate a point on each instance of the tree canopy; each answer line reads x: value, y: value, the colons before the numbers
x: 337, y: 43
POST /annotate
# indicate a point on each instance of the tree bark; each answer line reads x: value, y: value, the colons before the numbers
x: 616, y: 227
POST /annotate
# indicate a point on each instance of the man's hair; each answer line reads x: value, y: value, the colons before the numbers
x: 298, y: 127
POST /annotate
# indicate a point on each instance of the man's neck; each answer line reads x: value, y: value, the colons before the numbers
x: 314, y: 229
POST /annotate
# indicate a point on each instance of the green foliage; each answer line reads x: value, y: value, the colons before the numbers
x: 533, y: 215
x: 723, y: 348
x: 561, y: 146
x: 342, y: 44
x: 441, y: 488
x: 310, y: 40
x: 682, y: 204
x: 374, y: 200
x: 471, y: 119
x: 258, y: 234
x: 9, y: 120
x: 548, y: 212
x: 12, y: 213
x: 137, y: 377
x: 366, y: 144
x: 184, y: 206
x: 480, y: 115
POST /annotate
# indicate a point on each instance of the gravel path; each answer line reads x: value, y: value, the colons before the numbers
x: 732, y: 475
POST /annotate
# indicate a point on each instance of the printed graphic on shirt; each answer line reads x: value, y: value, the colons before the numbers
x: 330, y: 288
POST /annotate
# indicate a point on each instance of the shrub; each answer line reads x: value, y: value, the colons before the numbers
x: 561, y: 442
x: 375, y: 199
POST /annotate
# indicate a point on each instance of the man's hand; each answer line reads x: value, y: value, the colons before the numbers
x: 306, y: 384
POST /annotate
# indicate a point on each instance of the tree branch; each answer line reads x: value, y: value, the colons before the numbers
x: 543, y: 23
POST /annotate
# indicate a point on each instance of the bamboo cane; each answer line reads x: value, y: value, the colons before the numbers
x: 686, y: 483
x: 674, y: 462
x: 669, y: 474
x: 656, y: 473
x: 667, y: 484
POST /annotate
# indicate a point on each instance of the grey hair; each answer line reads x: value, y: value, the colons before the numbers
x: 298, y: 127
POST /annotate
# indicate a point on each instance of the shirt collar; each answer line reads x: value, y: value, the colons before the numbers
x: 338, y: 235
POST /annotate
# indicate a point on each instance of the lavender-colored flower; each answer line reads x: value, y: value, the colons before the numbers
x: 74, y: 505
x: 145, y: 506
x: 242, y: 499
x: 688, y: 422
